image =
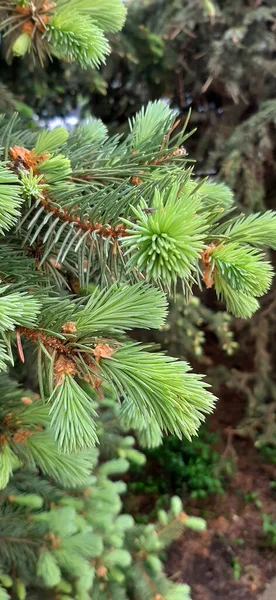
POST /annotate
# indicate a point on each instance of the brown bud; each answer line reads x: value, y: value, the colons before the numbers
x: 101, y: 571
x: 182, y: 517
x: 26, y: 400
x: 87, y: 492
x: 48, y: 5
x: 23, y: 10
x: 21, y: 436
x: 63, y: 366
x: 43, y: 22
x: 8, y: 417
x: 103, y: 351
x: 69, y: 327
x: 55, y: 264
x: 134, y: 180
x: 28, y: 28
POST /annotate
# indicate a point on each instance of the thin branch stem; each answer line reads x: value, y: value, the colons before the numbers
x: 19, y: 540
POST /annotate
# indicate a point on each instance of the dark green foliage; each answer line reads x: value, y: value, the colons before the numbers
x: 192, y: 470
x: 268, y: 454
x: 269, y: 529
x: 237, y: 569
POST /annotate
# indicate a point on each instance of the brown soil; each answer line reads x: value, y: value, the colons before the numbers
x: 234, y: 536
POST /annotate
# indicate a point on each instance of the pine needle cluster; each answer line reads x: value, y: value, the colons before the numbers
x: 67, y: 29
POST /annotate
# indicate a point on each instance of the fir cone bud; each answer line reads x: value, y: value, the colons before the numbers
x: 28, y: 28
x: 63, y: 366
x: 26, y: 400
x: 103, y: 351
x: 101, y: 571
x: 48, y: 5
x: 135, y: 180
x: 69, y: 327
x: 21, y: 45
x: 44, y: 20
x: 182, y: 517
x: 22, y: 10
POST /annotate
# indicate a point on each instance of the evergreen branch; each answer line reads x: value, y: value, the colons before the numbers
x: 258, y: 229
x: 168, y: 242
x: 149, y: 127
x: 10, y: 199
x: 38, y: 336
x: 71, y: 471
x: 79, y: 224
x: 242, y: 268
x: 160, y: 388
x: 68, y: 29
x: 88, y: 545
x: 238, y: 303
x: 48, y: 569
x: 77, y: 38
x: 173, y: 530
x: 64, y: 215
x: 148, y: 432
x: 17, y: 309
x: 109, y: 15
x: 215, y: 193
x: 121, y: 308
x: 50, y: 141
x: 4, y: 595
x: 8, y: 463
x: 72, y: 417
x: 152, y: 590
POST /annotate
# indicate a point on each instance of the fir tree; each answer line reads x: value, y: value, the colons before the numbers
x: 96, y: 233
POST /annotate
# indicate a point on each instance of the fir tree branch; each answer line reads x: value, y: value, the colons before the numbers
x: 149, y: 581
x: 101, y: 230
x: 51, y: 342
x: 19, y: 540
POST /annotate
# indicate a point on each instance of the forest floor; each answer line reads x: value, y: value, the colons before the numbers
x: 232, y: 559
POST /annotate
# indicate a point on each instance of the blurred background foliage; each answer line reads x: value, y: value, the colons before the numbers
x: 217, y: 58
